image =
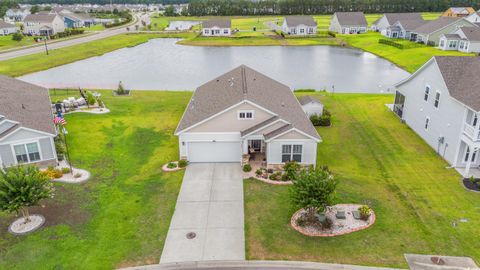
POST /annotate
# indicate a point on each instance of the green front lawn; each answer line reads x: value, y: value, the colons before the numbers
x: 378, y: 160
x: 6, y: 42
x: 409, y: 59
x: 120, y: 217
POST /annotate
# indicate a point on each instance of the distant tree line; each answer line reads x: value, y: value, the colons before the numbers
x: 290, y: 7
x: 101, y: 2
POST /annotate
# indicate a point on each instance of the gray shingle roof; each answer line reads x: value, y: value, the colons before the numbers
x: 242, y: 84
x: 278, y: 131
x: 6, y: 25
x: 298, y: 20
x: 307, y: 99
x: 351, y: 18
x: 452, y: 36
x: 460, y: 74
x: 410, y: 25
x: 40, y: 17
x: 471, y: 33
x: 26, y: 103
x: 435, y: 25
x: 259, y: 125
x: 394, y: 17
x: 220, y: 23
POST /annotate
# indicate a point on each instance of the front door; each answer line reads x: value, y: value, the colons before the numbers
x: 256, y: 145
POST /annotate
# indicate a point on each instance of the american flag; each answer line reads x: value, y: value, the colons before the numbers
x: 59, y: 120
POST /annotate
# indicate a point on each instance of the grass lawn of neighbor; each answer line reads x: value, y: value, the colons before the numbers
x: 6, y: 42
x: 120, y: 217
x: 378, y: 160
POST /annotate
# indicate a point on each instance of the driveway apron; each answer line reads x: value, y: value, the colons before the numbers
x: 210, y: 205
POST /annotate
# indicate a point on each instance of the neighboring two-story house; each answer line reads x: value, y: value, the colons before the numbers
x: 221, y: 27
x: 431, y: 31
x: 26, y: 124
x: 43, y: 25
x: 299, y: 25
x: 348, y: 23
x: 441, y: 103
x: 16, y: 14
x: 245, y: 112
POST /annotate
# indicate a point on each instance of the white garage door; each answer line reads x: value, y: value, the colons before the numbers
x: 214, y: 152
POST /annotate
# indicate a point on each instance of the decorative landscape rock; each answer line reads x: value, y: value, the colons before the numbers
x: 20, y: 227
x: 340, y: 226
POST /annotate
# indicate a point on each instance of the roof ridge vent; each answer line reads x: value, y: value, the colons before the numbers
x: 244, y: 81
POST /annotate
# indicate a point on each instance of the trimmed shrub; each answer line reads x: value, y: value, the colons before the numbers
x: 182, y: 163
x: 171, y: 165
x: 323, y: 120
x: 258, y: 172
x: 247, y: 168
x: 291, y: 169
x: 90, y: 98
x: 17, y: 36
x: 65, y: 170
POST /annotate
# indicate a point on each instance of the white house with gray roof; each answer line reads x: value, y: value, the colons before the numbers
x: 441, y: 103
x: 348, y: 23
x: 431, y: 31
x: 7, y: 28
x: 311, y: 106
x: 43, y: 24
x: 463, y: 39
x: 299, y: 25
x: 16, y: 14
x: 26, y: 124
x: 388, y: 19
x: 220, y: 27
x: 403, y: 29
x: 245, y: 112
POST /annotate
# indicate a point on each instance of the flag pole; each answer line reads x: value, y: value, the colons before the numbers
x: 66, y: 149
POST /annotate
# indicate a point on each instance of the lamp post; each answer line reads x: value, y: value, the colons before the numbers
x: 45, y: 42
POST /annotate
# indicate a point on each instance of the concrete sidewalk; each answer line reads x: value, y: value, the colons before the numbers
x: 210, y: 204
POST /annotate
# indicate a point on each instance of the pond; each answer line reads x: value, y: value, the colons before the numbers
x: 161, y: 64
x: 181, y: 25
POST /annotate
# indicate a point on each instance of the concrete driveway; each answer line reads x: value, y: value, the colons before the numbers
x: 210, y: 204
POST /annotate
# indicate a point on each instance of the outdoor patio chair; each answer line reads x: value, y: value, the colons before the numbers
x: 356, y: 214
x: 321, y: 217
x: 340, y: 215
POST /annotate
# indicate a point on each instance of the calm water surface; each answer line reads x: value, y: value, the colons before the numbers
x: 160, y: 64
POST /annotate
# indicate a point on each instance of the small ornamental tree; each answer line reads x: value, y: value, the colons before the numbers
x: 313, y: 190
x: 17, y: 36
x: 22, y: 187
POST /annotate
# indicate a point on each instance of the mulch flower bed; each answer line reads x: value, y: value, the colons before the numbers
x: 272, y: 182
x: 470, y: 185
x: 339, y: 227
x: 166, y: 169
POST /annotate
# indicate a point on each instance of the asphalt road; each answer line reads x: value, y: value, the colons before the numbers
x: 62, y: 44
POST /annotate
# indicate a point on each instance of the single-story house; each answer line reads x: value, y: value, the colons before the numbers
x: 431, y: 31
x: 474, y: 17
x: 220, y: 27
x: 464, y: 39
x: 458, y: 12
x: 299, y: 25
x: 43, y: 24
x: 244, y: 112
x: 311, y: 106
x: 441, y: 103
x: 26, y: 124
x: 77, y: 20
x: 403, y: 29
x: 7, y: 28
x: 348, y: 23
x: 388, y: 19
x: 16, y: 14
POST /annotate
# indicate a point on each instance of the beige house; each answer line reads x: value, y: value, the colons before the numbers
x: 245, y: 112
x: 43, y: 24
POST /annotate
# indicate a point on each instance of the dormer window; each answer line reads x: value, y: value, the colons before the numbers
x: 243, y: 115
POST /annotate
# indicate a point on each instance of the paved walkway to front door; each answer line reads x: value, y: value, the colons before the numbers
x: 210, y: 204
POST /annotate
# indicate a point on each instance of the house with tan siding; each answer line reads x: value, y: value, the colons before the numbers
x: 244, y: 112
